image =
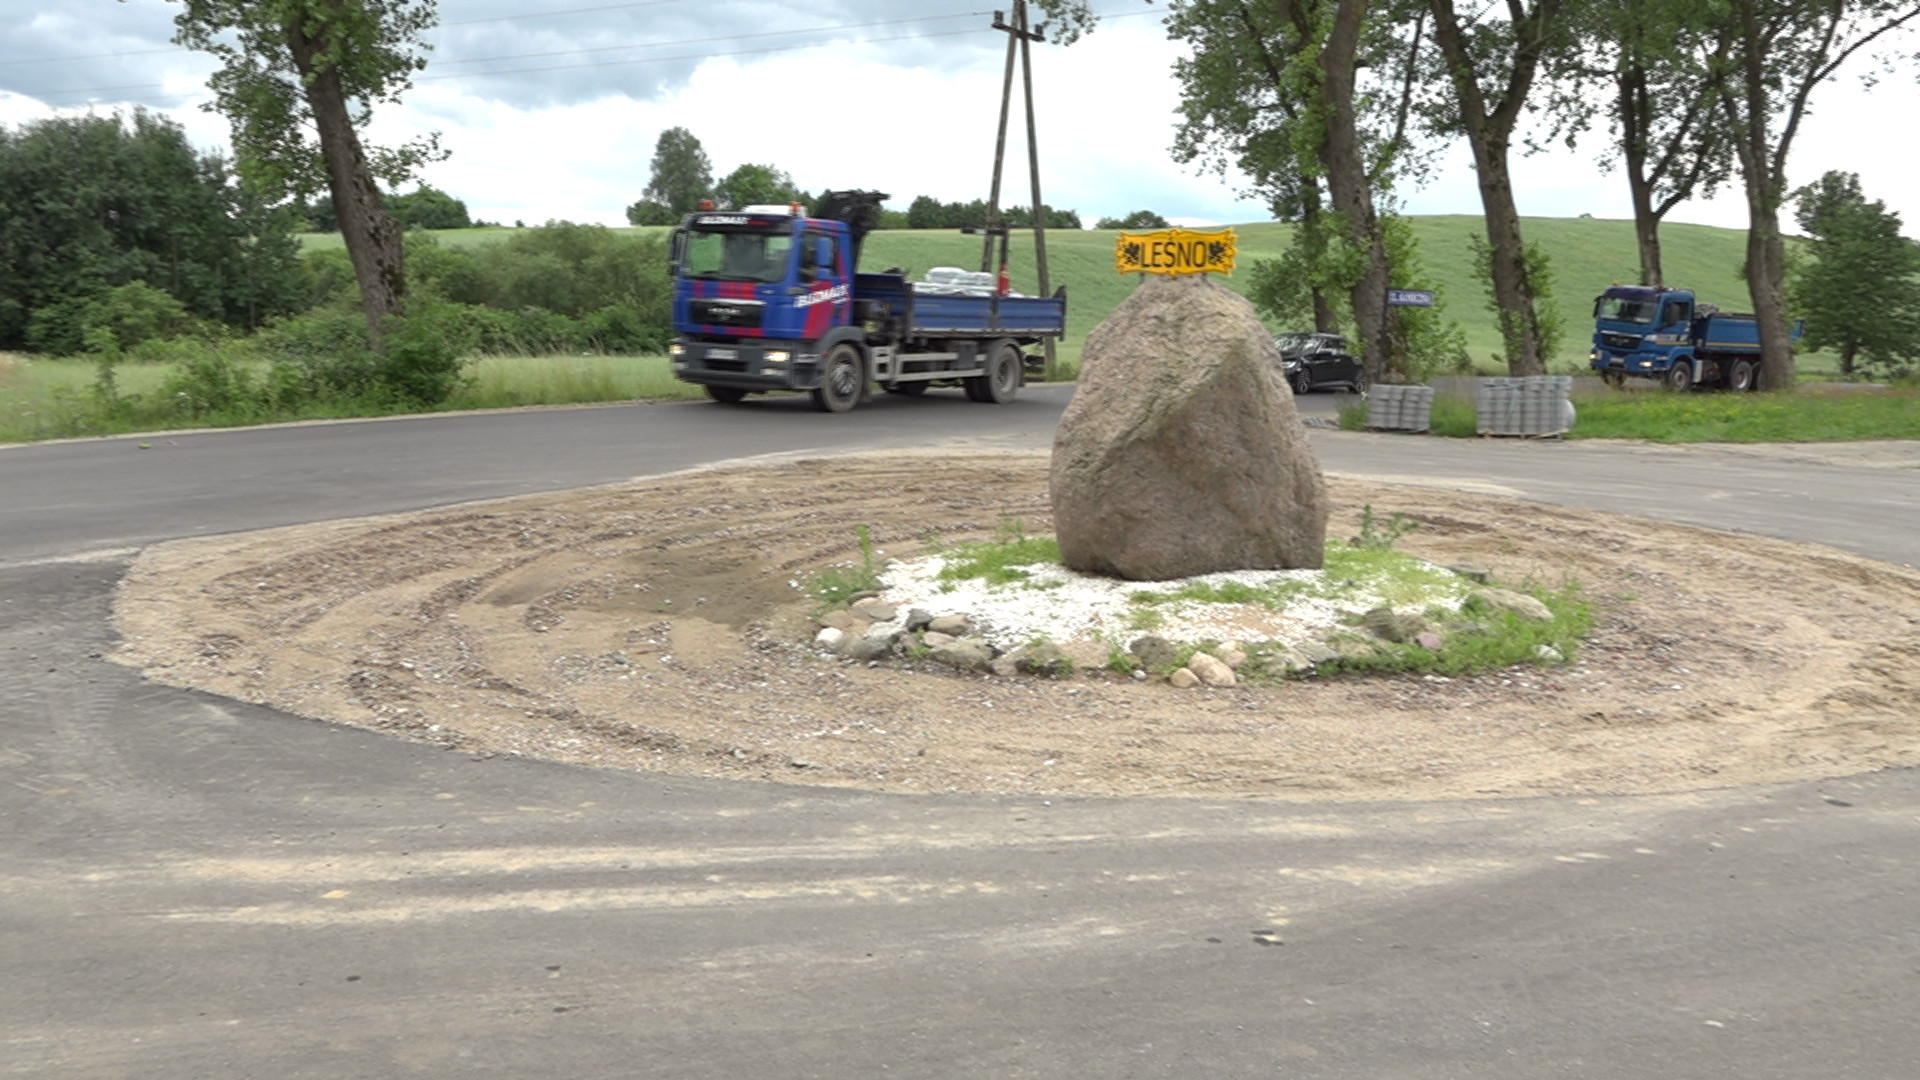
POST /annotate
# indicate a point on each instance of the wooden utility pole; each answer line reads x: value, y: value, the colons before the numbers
x: 1021, y: 34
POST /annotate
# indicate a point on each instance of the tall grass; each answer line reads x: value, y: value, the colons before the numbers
x: 44, y: 398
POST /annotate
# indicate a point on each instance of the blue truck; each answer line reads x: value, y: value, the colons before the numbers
x: 769, y: 298
x: 1650, y: 332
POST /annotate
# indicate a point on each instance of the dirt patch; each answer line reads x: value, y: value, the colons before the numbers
x: 657, y: 626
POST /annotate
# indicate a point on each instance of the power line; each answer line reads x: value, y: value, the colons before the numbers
x: 555, y: 14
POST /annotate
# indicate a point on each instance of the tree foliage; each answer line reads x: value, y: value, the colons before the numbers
x: 682, y: 174
x: 92, y: 203
x: 758, y: 185
x: 1857, y: 284
x: 1139, y: 219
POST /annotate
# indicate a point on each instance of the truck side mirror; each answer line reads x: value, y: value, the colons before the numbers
x: 677, y: 251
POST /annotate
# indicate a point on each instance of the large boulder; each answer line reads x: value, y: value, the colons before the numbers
x: 1181, y: 452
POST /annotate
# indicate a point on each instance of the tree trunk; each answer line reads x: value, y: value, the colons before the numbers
x: 1489, y: 133
x: 373, y: 238
x: 1326, y: 319
x: 1766, y: 252
x: 1634, y: 108
x: 1512, y: 290
x: 1348, y: 183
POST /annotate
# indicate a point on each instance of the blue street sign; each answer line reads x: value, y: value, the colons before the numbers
x: 1409, y: 298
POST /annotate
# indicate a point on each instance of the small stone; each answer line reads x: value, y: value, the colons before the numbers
x: 1471, y: 572
x: 1394, y: 626
x: 971, y: 654
x: 957, y: 625
x: 838, y: 620
x: 1428, y: 640
x: 1233, y: 657
x: 1183, y: 679
x: 1547, y: 654
x: 872, y: 645
x: 917, y: 619
x: 1042, y: 659
x: 934, y: 638
x: 1526, y: 607
x: 829, y: 637
x: 874, y: 611
x: 1316, y: 652
x: 1004, y: 667
x: 1211, y: 670
x: 1087, y: 654
x: 1153, y: 651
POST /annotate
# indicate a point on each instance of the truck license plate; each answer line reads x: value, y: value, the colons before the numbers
x: 722, y: 354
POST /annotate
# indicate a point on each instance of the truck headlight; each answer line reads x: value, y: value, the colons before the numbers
x: 676, y: 350
x: 777, y: 356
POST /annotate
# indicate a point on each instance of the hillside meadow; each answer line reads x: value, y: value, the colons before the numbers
x: 1588, y: 254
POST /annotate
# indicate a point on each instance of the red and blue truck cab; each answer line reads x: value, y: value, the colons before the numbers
x: 770, y: 298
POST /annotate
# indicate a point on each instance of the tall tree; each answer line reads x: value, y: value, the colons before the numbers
x: 1857, y: 283
x: 1646, y: 65
x: 682, y: 174
x: 1782, y: 50
x: 758, y: 185
x: 298, y: 81
x: 1309, y: 98
x: 1491, y: 64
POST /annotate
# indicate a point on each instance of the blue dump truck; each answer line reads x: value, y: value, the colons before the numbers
x: 1649, y: 332
x: 769, y: 298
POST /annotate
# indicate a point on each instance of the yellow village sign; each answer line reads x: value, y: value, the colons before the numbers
x: 1175, y: 251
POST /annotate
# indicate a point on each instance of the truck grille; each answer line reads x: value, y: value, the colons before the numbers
x: 740, y: 313
x: 1621, y: 341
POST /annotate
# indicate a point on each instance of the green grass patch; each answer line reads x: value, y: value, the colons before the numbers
x: 1481, y: 640
x: 1805, y: 415
x: 999, y: 561
x: 836, y: 586
x: 1368, y: 575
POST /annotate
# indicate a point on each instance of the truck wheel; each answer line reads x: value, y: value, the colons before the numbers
x: 1740, y: 379
x: 841, y: 374
x: 1302, y: 382
x: 1002, y: 379
x: 1614, y: 379
x: 726, y: 395
x: 1679, y: 377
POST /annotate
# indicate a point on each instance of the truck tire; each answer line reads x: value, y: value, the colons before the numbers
x: 842, y: 375
x: 727, y: 395
x: 1002, y: 380
x: 1615, y: 379
x: 1740, y: 378
x: 1679, y: 377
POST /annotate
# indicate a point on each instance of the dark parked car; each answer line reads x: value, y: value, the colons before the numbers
x: 1312, y: 361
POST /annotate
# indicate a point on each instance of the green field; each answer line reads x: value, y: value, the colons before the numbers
x: 1588, y: 255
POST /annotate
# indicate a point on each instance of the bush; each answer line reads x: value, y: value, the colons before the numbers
x: 132, y: 313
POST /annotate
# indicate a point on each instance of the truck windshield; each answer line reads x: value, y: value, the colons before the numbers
x: 1621, y: 309
x: 737, y: 256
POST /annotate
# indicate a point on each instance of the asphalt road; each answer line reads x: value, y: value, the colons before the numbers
x: 193, y: 887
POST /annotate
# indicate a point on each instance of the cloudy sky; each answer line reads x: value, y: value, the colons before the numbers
x: 551, y: 107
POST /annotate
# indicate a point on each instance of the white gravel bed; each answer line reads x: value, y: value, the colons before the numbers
x: 1060, y: 605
